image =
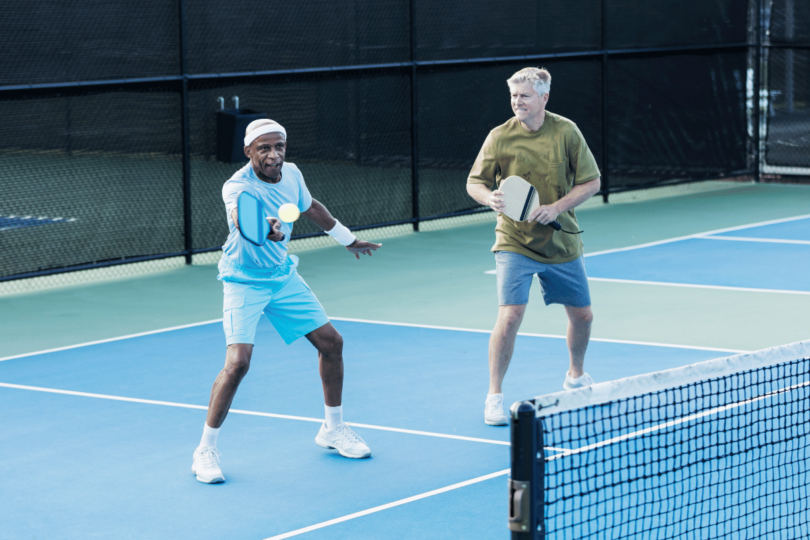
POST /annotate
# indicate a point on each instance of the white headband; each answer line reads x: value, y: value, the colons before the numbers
x: 264, y: 130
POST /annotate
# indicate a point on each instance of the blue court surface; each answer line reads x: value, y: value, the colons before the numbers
x: 97, y: 439
x: 766, y: 257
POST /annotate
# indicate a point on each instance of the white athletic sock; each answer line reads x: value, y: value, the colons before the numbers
x: 334, y: 416
x: 493, y: 396
x: 209, y: 437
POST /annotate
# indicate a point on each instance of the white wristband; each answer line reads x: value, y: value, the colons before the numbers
x: 340, y: 233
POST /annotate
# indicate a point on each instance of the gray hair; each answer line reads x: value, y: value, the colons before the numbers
x: 540, y: 79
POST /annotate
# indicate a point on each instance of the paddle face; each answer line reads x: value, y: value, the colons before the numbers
x: 520, y: 198
x: 252, y: 222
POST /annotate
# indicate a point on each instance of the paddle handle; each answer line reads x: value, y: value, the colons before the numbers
x: 282, y: 234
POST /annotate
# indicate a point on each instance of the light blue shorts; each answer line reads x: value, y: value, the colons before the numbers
x: 564, y: 283
x: 292, y: 309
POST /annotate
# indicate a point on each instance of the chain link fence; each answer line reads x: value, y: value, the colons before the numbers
x: 110, y: 147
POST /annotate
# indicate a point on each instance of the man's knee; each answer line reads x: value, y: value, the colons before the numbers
x: 238, y: 360
x: 332, y: 345
x: 581, y: 316
x: 511, y: 315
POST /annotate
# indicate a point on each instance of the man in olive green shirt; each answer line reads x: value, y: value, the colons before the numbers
x: 549, y: 152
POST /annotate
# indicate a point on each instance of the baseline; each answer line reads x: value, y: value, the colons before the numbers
x: 249, y: 413
x: 751, y: 239
x: 368, y: 321
x: 390, y: 505
x: 110, y: 340
x: 696, y: 286
x: 697, y: 235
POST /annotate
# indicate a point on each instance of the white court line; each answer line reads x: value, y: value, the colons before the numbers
x: 750, y: 239
x: 552, y: 336
x: 676, y: 422
x: 693, y: 286
x: 249, y: 413
x: 687, y: 285
x: 386, y: 323
x: 119, y: 338
x: 698, y: 235
x: 389, y: 505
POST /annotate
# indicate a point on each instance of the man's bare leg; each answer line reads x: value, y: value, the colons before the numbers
x: 577, y: 337
x: 237, y: 363
x: 502, y: 344
x: 334, y: 433
x: 206, y: 456
x: 329, y: 343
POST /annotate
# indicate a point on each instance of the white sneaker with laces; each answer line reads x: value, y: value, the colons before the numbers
x: 580, y: 382
x: 206, y: 465
x: 346, y: 441
x: 493, y: 411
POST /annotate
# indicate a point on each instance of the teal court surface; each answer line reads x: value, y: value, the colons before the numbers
x: 104, y: 386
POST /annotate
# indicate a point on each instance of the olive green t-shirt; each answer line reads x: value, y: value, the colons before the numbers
x: 553, y: 159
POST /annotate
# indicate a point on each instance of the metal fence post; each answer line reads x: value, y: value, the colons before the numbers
x: 757, y: 97
x: 414, y: 124
x: 605, y: 130
x: 188, y: 245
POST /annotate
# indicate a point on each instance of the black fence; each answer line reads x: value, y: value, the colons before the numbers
x: 786, y: 122
x: 108, y: 144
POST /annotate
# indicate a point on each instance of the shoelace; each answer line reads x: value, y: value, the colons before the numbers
x: 349, y: 434
x: 209, y: 456
x: 494, y: 405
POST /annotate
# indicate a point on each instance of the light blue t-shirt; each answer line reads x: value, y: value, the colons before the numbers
x: 272, y: 256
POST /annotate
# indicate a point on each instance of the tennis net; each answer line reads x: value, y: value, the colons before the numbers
x: 717, y: 449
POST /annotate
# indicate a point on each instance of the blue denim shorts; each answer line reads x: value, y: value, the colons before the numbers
x: 291, y: 308
x: 564, y: 283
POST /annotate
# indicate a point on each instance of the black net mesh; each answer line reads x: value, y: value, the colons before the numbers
x: 721, y: 458
x: 349, y: 135
x: 243, y: 35
x: 789, y: 22
x: 672, y: 23
x: 89, y: 177
x: 52, y: 41
x: 788, y: 136
x: 448, y: 146
x: 669, y: 116
x: 787, y: 141
x: 456, y: 29
x: 676, y: 116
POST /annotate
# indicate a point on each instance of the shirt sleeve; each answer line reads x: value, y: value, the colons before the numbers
x: 230, y: 193
x: 580, y: 158
x: 486, y: 168
x: 304, y: 196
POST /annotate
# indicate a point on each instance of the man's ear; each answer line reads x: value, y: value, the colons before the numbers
x: 247, y: 152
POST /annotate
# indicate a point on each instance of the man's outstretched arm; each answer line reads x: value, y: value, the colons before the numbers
x: 320, y: 216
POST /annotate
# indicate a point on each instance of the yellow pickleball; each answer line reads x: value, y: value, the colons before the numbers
x: 288, y: 213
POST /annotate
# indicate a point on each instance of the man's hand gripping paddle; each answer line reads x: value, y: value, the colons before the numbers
x: 253, y: 223
x: 520, y: 200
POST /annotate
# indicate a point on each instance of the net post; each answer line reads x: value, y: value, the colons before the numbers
x: 526, y: 482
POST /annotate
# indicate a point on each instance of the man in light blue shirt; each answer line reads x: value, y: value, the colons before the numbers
x: 263, y: 279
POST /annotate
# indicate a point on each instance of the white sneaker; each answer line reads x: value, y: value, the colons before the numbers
x: 493, y: 411
x: 206, y: 465
x: 347, y: 442
x: 579, y: 382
